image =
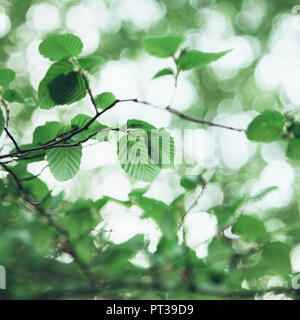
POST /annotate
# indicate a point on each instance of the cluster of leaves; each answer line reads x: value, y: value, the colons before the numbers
x: 168, y: 45
x: 65, y: 83
x: 272, y: 126
x: 174, y: 267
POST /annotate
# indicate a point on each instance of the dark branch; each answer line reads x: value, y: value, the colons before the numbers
x: 12, y: 139
x: 34, y: 177
x: 6, y: 111
x: 90, y: 92
x: 57, y: 143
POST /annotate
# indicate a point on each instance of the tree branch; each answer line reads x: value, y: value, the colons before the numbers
x: 51, y: 222
x: 6, y: 110
x: 53, y: 144
x: 12, y: 139
x: 90, y: 92
x: 34, y: 177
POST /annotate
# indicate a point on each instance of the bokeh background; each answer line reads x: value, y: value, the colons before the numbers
x: 261, y: 72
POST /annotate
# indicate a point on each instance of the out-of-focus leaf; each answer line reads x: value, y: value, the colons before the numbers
x: 2, y: 122
x: 34, y: 188
x: 191, y: 182
x: 275, y: 258
x: 90, y: 63
x: 80, y: 220
x: 163, y: 46
x: 263, y: 193
x: 193, y: 59
x: 41, y: 237
x: 12, y: 95
x: 163, y: 72
x: 293, y: 149
x: 114, y: 261
x: 226, y: 213
x: 6, y: 76
x: 30, y: 102
x: 250, y: 228
x: 85, y: 248
x: 266, y: 127
x: 296, y: 129
x: 219, y: 254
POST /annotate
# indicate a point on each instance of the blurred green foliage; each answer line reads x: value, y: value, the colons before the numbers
x: 54, y: 252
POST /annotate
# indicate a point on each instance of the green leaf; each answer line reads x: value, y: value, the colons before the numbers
x: 80, y: 219
x: 80, y: 121
x: 163, y: 46
x: 145, y: 150
x: 141, y: 170
x: 64, y: 162
x: 161, y: 147
x: 2, y: 122
x: 46, y: 132
x: 113, y: 262
x: 153, y: 209
x: 36, y: 188
x: 188, y: 183
x: 104, y: 100
x: 90, y: 63
x: 55, y: 70
x: 191, y: 182
x: 163, y: 72
x: 250, y: 228
x: 296, y: 129
x: 293, y: 149
x: 85, y: 248
x: 139, y: 124
x: 41, y: 237
x: 60, y: 46
x: 67, y: 89
x: 263, y: 193
x: 266, y: 127
x: 226, y: 213
x: 275, y: 258
x: 30, y: 102
x: 219, y: 254
x: 192, y: 59
x: 12, y: 95
x: 33, y: 156
x: 6, y: 76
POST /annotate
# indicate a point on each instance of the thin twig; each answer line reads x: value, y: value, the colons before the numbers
x: 88, y: 138
x: 12, y: 139
x: 176, y: 76
x: 56, y: 143
x: 90, y: 92
x: 205, y: 122
x: 192, y: 205
x: 6, y: 110
x: 34, y: 177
